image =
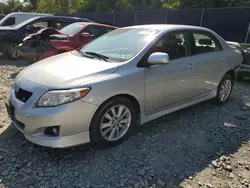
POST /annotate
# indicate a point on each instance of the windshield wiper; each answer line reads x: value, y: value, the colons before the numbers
x: 83, y: 54
x: 105, y: 58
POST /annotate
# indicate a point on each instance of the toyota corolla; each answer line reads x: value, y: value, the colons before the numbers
x: 120, y: 80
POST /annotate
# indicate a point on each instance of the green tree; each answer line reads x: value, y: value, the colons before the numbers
x: 14, y: 5
x: 48, y: 6
x: 32, y: 3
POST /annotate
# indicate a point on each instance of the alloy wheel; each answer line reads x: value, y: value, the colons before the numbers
x: 115, y: 123
x: 225, y: 90
x: 13, y: 52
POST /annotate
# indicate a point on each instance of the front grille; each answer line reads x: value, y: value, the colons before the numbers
x: 22, y: 94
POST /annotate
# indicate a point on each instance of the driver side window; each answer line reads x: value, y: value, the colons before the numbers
x: 174, y: 44
x: 41, y: 24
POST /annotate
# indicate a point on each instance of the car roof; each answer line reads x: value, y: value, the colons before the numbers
x: 27, y: 13
x: 165, y: 27
x: 61, y: 18
x: 64, y: 18
x: 94, y: 23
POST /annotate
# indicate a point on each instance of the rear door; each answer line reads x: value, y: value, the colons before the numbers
x: 209, y: 61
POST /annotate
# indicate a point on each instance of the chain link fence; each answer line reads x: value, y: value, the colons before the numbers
x: 231, y: 23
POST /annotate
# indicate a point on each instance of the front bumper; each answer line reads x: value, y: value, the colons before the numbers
x: 73, y: 119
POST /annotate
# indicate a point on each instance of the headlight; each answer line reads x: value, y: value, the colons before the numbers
x: 58, y: 97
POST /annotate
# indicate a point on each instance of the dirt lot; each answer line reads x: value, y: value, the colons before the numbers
x: 202, y: 146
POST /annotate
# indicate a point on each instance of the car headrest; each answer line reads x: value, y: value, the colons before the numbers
x: 171, y: 39
x: 179, y: 40
x: 205, y: 41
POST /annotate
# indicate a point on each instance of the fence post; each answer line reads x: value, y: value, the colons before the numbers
x: 136, y: 18
x: 114, y: 18
x: 202, y: 14
x: 248, y: 28
x: 166, y: 17
x: 95, y: 16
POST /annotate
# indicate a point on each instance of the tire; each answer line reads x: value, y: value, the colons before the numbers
x: 102, y: 137
x: 8, y: 47
x: 227, y: 79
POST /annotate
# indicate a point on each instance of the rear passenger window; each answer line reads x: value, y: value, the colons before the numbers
x: 96, y: 30
x: 204, y: 43
x: 10, y: 21
x: 42, y: 24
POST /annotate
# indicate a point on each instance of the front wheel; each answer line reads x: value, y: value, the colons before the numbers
x: 10, y: 50
x: 113, y: 122
x: 224, y: 90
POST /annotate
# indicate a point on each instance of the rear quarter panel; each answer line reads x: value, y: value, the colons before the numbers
x: 233, y: 56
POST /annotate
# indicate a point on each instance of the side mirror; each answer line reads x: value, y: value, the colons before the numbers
x: 158, y: 58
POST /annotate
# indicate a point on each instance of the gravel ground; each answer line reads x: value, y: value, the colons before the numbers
x: 201, y: 146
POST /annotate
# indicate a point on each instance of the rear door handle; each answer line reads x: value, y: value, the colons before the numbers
x: 222, y: 58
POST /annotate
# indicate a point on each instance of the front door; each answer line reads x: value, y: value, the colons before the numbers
x: 170, y: 84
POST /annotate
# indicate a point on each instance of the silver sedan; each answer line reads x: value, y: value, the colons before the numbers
x: 123, y: 79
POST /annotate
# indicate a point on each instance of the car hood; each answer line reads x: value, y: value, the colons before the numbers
x: 66, y: 70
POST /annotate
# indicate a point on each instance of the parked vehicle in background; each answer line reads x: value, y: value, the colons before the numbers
x: 244, y: 68
x: 16, y: 18
x: 11, y: 36
x: 1, y: 16
x: 124, y: 78
x: 50, y: 42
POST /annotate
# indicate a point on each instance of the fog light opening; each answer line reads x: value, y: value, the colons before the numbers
x: 52, y: 131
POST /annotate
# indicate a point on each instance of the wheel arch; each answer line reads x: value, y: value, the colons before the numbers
x: 3, y: 42
x: 6, y: 39
x: 232, y: 73
x: 126, y: 96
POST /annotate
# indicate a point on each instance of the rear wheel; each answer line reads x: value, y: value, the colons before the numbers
x: 113, y: 122
x: 224, y: 90
x: 10, y: 50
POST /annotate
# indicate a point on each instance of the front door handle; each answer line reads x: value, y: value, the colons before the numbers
x: 222, y: 58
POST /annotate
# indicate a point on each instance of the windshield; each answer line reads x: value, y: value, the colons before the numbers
x: 72, y: 29
x: 121, y: 44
